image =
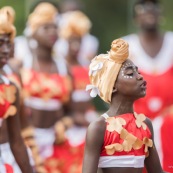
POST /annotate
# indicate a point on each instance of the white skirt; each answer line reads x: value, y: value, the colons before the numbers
x: 7, y: 157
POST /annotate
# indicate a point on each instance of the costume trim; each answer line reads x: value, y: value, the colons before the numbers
x: 121, y: 161
x: 40, y: 104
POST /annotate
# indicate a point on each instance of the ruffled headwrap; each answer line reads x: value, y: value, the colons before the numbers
x: 43, y: 14
x: 7, y: 16
x: 74, y: 23
x: 104, y: 69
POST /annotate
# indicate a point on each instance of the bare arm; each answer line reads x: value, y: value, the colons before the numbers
x: 16, y: 143
x: 152, y: 162
x: 94, y: 141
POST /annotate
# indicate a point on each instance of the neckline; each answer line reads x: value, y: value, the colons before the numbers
x: 158, y: 55
x: 105, y: 115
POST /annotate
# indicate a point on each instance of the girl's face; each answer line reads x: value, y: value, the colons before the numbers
x: 130, y: 82
x: 5, y: 49
x: 46, y: 35
x: 74, y: 45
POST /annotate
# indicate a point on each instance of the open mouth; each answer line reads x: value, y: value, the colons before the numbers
x: 144, y: 84
x: 3, y: 60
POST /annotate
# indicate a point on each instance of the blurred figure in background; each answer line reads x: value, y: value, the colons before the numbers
x: 70, y: 5
x: 151, y: 51
x: 21, y: 41
x: 12, y: 72
x: 89, y: 43
x: 73, y: 33
x: 46, y: 83
x: 69, y: 148
x: 11, y: 143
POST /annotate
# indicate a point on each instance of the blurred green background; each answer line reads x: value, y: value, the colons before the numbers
x: 111, y: 19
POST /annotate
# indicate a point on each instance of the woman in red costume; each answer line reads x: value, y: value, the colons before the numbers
x: 46, y: 84
x: 10, y: 158
x: 120, y: 140
x: 73, y: 32
x: 151, y: 50
x: 11, y: 71
x: 70, y: 150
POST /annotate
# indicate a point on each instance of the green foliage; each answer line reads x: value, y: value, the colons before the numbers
x: 111, y: 18
x: 19, y: 7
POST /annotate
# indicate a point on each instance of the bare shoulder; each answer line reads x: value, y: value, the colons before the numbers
x: 96, y: 130
x: 98, y: 125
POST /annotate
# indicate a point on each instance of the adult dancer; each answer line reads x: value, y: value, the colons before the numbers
x: 69, y: 148
x: 46, y: 84
x: 150, y: 50
x: 10, y: 131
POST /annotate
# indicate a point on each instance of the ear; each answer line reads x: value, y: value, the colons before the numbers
x: 114, y: 90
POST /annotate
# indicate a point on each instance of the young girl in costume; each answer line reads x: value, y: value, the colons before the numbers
x: 13, y: 154
x: 120, y: 140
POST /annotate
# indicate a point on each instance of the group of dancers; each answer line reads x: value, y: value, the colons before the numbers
x: 45, y: 109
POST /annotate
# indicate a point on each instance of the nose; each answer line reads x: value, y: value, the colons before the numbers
x: 139, y: 77
x: 53, y: 30
x: 6, y: 49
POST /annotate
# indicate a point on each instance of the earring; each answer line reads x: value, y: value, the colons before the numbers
x: 33, y: 44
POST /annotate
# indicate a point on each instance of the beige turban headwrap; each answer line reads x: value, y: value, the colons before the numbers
x: 7, y: 16
x: 44, y: 13
x: 74, y: 23
x: 104, y: 69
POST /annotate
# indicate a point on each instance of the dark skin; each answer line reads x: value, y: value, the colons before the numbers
x: 15, y: 65
x: 148, y: 21
x: 10, y: 130
x: 125, y: 92
x: 78, y: 108
x: 46, y: 36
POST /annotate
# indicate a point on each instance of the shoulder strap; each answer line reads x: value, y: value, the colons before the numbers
x: 61, y: 65
x: 5, y: 79
x: 105, y: 115
x: 7, y: 69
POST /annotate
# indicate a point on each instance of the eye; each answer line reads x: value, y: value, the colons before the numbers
x: 130, y: 74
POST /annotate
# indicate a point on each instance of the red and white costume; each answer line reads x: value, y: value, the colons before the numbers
x: 67, y: 157
x: 7, y: 160
x: 158, y: 72
x: 124, y: 141
x: 43, y: 91
x: 80, y: 80
x: 70, y: 152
